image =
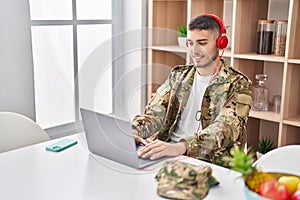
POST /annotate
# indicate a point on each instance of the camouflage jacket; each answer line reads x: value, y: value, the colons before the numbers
x: 224, y: 112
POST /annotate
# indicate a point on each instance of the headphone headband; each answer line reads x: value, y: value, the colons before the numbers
x: 218, y: 20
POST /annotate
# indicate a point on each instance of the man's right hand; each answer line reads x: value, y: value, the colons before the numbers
x: 138, y: 139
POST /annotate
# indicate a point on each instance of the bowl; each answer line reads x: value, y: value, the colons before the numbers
x: 251, y: 195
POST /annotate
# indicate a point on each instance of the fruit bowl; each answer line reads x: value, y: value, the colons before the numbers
x: 290, y: 183
x: 261, y: 179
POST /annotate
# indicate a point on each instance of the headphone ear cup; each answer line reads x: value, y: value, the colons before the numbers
x: 222, y: 42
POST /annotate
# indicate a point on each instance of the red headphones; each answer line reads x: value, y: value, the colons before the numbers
x: 222, y: 40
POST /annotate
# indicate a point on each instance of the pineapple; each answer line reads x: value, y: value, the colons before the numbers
x: 243, y: 163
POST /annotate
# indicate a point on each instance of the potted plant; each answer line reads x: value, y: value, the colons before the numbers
x: 182, y: 34
x: 264, y: 146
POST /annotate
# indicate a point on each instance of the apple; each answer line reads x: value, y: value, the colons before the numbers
x: 291, y: 182
x: 296, y: 195
x: 273, y: 189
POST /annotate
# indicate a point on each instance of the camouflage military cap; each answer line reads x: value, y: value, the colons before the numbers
x: 180, y: 180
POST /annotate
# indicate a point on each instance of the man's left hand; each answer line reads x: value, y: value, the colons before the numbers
x: 155, y: 149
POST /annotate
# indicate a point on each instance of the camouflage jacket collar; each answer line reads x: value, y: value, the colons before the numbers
x: 222, y: 76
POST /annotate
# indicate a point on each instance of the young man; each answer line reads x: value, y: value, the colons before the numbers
x: 202, y: 109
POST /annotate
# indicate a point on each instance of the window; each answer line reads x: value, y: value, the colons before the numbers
x: 52, y: 48
x: 65, y: 35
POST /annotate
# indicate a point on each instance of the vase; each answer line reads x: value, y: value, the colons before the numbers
x: 182, y: 41
x: 258, y: 155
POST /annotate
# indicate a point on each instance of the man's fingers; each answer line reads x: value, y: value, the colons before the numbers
x: 152, y: 149
x: 157, y: 155
x: 149, y: 140
x: 140, y: 140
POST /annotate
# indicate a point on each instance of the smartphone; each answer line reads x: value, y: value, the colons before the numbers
x: 61, y: 145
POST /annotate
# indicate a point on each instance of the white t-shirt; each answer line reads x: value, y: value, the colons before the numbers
x: 188, y: 124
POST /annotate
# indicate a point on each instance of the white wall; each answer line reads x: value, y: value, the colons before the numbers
x: 16, y: 66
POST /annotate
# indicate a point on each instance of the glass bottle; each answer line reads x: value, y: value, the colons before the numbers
x: 276, y: 103
x: 260, y: 93
x: 265, y: 33
x: 280, y: 37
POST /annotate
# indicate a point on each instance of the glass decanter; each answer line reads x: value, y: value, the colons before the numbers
x: 260, y: 93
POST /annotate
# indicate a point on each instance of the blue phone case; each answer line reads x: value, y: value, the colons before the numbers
x: 61, y: 145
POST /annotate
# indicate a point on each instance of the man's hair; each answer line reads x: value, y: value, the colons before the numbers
x: 204, y: 23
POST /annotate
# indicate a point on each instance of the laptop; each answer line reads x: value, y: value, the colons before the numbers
x: 111, y: 137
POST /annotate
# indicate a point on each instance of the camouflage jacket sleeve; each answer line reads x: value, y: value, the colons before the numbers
x: 152, y: 119
x: 226, y: 127
x: 163, y: 110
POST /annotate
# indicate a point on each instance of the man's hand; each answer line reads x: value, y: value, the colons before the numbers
x: 155, y: 149
x: 138, y: 139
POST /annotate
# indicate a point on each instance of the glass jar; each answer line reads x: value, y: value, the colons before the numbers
x: 280, y: 37
x: 276, y: 103
x: 260, y: 93
x: 265, y: 33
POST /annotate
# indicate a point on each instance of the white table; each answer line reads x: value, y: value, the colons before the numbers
x: 32, y: 173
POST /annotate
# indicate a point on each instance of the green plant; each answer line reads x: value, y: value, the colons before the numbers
x: 182, y: 31
x: 265, y: 145
x: 243, y: 163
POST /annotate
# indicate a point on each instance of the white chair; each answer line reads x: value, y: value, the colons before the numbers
x: 18, y: 131
x: 284, y: 159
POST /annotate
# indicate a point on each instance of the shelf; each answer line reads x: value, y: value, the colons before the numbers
x: 265, y: 115
x: 293, y: 121
x: 294, y: 61
x: 255, y: 56
x: 173, y: 48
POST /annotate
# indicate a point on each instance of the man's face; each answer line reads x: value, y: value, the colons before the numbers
x: 202, y: 47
